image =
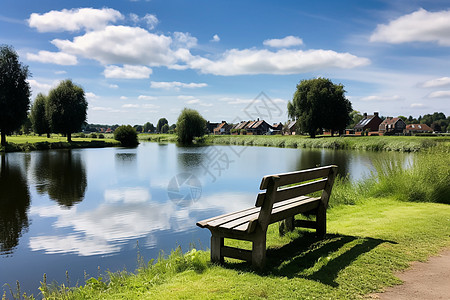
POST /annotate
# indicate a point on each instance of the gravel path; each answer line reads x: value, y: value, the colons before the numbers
x: 428, y: 280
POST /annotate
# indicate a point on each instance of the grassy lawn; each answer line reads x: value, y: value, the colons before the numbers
x: 375, y: 227
x: 34, y: 142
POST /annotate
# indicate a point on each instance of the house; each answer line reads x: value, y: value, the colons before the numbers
x: 392, y: 126
x: 291, y: 127
x: 222, y: 128
x: 210, y: 127
x: 368, y: 123
x: 418, y: 128
x: 258, y: 127
x: 276, y: 128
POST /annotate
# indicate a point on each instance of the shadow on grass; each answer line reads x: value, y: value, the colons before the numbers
x: 312, y: 258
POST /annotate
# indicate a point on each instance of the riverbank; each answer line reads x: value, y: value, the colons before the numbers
x: 376, y: 227
x: 30, y: 143
x: 371, y: 143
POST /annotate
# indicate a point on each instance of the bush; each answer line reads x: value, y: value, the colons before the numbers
x: 101, y: 136
x: 190, y: 124
x: 126, y: 135
x: 93, y: 136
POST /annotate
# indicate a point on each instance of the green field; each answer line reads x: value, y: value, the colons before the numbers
x: 375, y: 228
x: 34, y: 142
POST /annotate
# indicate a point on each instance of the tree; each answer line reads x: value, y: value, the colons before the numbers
x: 148, y: 127
x: 14, y: 92
x: 38, y: 116
x: 318, y: 104
x: 190, y: 124
x: 356, y: 116
x: 161, y: 123
x: 66, y: 108
x: 165, y: 128
x: 126, y: 135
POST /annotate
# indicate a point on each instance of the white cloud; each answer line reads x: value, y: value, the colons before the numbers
x: 123, y: 97
x: 121, y: 45
x: 419, y: 26
x: 150, y: 106
x: 130, y: 105
x: 91, y: 96
x: 114, y: 86
x: 184, y: 40
x: 39, y: 86
x: 215, y: 38
x: 417, y: 105
x: 439, y: 94
x: 60, y: 72
x: 128, y: 72
x: 106, y: 109
x: 145, y: 97
x: 151, y: 21
x: 251, y: 61
x: 381, y: 98
x: 286, y: 42
x: 73, y: 19
x: 185, y: 97
x: 438, y: 82
x: 58, y: 58
x: 175, y: 85
x: 193, y: 101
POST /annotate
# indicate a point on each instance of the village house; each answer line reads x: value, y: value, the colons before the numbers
x: 368, y: 123
x: 290, y: 128
x: 392, y: 126
x: 418, y: 128
x: 258, y: 127
x: 222, y: 128
x: 210, y: 127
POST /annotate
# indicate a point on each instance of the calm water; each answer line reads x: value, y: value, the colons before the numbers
x: 88, y: 211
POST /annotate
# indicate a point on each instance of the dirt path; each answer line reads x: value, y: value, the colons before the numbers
x: 428, y: 280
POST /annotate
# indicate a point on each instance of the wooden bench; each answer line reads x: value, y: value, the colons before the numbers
x: 284, y: 197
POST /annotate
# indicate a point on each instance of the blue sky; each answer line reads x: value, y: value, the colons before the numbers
x: 141, y: 60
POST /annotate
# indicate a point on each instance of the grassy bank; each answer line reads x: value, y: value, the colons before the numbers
x: 374, y: 143
x: 376, y: 227
x: 29, y: 143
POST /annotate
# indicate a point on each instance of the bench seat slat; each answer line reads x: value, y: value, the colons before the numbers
x: 205, y: 222
x: 293, y: 209
x: 298, y: 176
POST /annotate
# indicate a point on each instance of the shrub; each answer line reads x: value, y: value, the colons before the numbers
x: 126, y: 135
x: 93, y: 136
x: 101, y: 136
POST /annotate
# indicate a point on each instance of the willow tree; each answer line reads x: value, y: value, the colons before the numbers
x: 66, y: 108
x: 190, y: 124
x: 38, y: 115
x: 14, y: 92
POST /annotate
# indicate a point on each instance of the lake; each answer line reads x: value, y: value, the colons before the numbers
x: 87, y: 211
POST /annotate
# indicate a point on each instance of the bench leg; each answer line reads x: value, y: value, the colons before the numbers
x: 216, y: 246
x: 259, y: 251
x: 286, y: 225
x: 321, y: 220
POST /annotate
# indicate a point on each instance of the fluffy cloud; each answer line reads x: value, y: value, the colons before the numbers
x: 215, y: 38
x: 145, y: 97
x: 184, y: 40
x: 128, y: 71
x: 74, y: 19
x: 58, y: 58
x: 438, y: 82
x: 286, y: 42
x: 91, y: 96
x: 419, y: 26
x: 381, y: 98
x: 121, y: 45
x: 175, y: 85
x: 150, y: 20
x: 251, y: 61
x: 130, y: 105
x: 439, y: 94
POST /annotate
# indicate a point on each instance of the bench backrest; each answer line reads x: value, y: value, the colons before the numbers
x: 280, y: 187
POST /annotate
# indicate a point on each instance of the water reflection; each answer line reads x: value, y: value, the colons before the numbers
x: 62, y: 175
x: 14, y: 203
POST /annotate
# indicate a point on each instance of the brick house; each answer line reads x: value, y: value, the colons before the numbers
x: 368, y: 122
x: 392, y: 126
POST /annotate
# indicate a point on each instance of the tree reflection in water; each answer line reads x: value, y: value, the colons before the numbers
x: 14, y: 204
x: 62, y: 175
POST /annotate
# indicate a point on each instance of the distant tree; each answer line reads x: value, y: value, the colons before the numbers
x: 26, y: 126
x: 14, y: 92
x: 403, y: 118
x: 160, y: 124
x: 148, y: 127
x: 66, y: 108
x: 436, y: 126
x: 38, y: 116
x: 138, y: 128
x: 317, y: 104
x: 165, y: 128
x: 190, y: 124
x: 356, y: 116
x: 173, y: 127
x: 126, y: 135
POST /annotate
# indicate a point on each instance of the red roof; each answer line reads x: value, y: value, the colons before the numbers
x: 418, y: 127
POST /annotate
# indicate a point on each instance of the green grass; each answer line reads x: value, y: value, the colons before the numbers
x: 375, y: 143
x: 34, y: 142
x: 160, y: 138
x: 375, y: 227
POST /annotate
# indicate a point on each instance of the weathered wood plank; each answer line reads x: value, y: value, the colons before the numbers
x: 305, y: 224
x: 237, y: 253
x: 298, y: 176
x: 233, y: 217
x: 295, y: 191
x: 203, y: 223
x: 286, y: 211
